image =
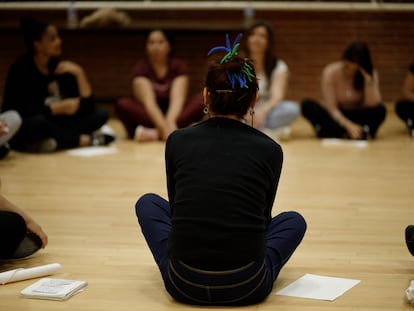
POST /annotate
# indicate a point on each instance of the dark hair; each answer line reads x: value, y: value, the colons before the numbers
x: 358, y: 53
x: 168, y: 35
x: 224, y: 99
x: 270, y: 55
x: 32, y: 31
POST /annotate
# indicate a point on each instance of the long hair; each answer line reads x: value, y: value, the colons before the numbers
x: 358, y: 52
x: 270, y: 55
x: 32, y: 31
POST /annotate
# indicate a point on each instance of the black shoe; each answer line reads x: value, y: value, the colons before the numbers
x: 30, y: 245
x: 365, y: 132
x: 4, y: 151
x: 409, y: 238
x: 102, y: 139
x: 410, y: 127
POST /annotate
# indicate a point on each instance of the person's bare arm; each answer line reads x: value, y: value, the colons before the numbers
x: 32, y: 226
x: 85, y: 89
x: 372, y: 94
x: 67, y: 106
x: 354, y: 130
x: 277, y: 90
x: 144, y: 93
x: 408, y: 86
x: 178, y: 95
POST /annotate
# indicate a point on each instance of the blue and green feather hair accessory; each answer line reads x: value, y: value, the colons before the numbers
x: 245, y: 74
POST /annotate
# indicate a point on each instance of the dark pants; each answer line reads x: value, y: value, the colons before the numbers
x: 405, y: 110
x: 326, y: 127
x: 66, y: 130
x: 244, y: 285
x: 12, y: 232
x: 133, y: 113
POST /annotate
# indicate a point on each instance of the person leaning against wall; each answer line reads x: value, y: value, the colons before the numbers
x: 160, y: 102
x: 351, y: 105
x: 405, y: 106
x: 53, y: 97
x: 274, y: 113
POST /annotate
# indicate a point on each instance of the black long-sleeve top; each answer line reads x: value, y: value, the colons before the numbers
x: 26, y: 88
x: 222, y: 178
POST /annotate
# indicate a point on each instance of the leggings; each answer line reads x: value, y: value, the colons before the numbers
x: 248, y: 284
x: 405, y: 110
x: 133, y: 113
x: 326, y: 127
x: 12, y: 232
x: 66, y: 130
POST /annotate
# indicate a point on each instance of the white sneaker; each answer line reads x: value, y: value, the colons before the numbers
x: 106, y: 129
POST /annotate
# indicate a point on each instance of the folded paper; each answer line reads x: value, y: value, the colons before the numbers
x: 53, y: 289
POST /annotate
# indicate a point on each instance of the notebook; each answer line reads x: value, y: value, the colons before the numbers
x: 53, y: 289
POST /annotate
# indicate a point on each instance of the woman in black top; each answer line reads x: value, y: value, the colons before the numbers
x: 215, y: 241
x: 53, y: 97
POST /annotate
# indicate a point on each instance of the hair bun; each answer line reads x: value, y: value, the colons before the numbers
x: 235, y: 64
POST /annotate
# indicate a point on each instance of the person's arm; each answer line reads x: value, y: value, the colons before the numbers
x: 178, y: 95
x: 67, y: 106
x: 170, y: 168
x: 329, y: 101
x: 277, y: 90
x: 144, y: 93
x: 372, y: 94
x: 408, y: 86
x: 31, y: 225
x: 85, y: 89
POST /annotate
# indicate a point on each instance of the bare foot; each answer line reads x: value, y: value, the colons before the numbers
x: 145, y: 134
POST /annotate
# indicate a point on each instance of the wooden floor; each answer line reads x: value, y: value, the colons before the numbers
x: 357, y: 202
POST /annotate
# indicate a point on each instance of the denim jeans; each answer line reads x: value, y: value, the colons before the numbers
x: 244, y: 285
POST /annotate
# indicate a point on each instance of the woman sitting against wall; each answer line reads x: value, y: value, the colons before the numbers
x: 159, y: 87
x: 351, y: 104
x: 53, y: 96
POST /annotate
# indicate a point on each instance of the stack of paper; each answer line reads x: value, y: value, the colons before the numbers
x: 53, y: 289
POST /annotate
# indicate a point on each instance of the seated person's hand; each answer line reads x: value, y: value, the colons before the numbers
x: 4, y: 128
x: 355, y: 131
